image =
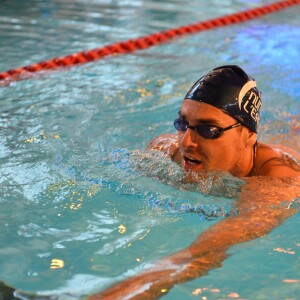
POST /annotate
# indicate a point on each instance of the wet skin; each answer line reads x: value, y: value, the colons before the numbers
x: 272, y: 182
x: 233, y: 151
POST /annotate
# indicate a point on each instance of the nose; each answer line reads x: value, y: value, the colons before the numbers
x: 187, y: 139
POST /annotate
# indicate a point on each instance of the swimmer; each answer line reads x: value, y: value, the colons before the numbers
x: 217, y: 131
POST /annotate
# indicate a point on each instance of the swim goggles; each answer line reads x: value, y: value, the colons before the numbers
x: 207, y: 131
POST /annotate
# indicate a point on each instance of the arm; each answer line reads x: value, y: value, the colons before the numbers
x: 209, y: 249
x: 167, y: 143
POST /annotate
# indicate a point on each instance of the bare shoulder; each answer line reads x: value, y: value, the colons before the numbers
x: 166, y: 143
x: 277, y: 161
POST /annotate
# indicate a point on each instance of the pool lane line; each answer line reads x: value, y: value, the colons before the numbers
x: 141, y: 43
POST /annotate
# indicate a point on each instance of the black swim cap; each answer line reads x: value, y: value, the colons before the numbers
x: 230, y: 89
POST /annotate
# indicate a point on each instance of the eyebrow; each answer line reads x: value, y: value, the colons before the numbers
x: 202, y: 121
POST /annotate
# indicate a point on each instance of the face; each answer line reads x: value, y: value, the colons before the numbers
x: 229, y: 152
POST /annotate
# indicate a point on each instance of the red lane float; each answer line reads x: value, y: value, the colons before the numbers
x: 143, y: 42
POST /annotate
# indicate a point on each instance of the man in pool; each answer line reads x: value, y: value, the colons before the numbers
x: 217, y: 131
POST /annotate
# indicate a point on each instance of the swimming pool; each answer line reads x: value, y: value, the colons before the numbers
x: 82, y: 205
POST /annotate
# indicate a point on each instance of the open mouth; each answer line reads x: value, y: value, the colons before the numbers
x: 191, y: 161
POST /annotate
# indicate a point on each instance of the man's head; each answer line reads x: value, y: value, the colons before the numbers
x: 218, y: 121
x: 230, y: 89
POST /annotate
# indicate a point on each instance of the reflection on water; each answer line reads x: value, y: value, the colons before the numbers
x: 42, y: 29
x: 82, y: 205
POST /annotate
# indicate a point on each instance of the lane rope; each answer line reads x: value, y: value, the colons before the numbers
x: 143, y: 42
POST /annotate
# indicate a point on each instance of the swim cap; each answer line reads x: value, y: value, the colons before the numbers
x: 230, y: 89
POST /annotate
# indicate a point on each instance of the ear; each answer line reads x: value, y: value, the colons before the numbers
x: 250, y: 137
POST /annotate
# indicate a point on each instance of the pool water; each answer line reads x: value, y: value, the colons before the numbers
x: 83, y: 205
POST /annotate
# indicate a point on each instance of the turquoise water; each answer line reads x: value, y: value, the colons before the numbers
x: 82, y: 204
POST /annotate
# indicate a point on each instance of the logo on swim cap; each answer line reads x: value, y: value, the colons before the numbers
x: 249, y: 101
